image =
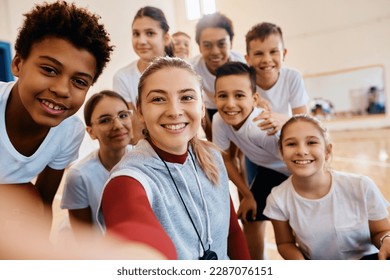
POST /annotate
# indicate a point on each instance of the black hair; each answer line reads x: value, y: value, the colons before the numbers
x: 237, y: 68
x: 66, y: 21
x: 216, y: 20
x: 159, y: 16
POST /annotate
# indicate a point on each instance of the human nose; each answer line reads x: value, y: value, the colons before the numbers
x: 141, y: 39
x: 174, y: 109
x: 117, y: 122
x: 302, y: 150
x: 61, y: 87
x: 230, y: 102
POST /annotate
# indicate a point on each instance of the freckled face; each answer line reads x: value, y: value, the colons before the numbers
x: 53, y: 81
x: 172, y: 108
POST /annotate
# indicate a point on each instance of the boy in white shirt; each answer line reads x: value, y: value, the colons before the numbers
x: 236, y: 100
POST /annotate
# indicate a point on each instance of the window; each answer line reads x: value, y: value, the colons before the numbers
x: 197, y: 8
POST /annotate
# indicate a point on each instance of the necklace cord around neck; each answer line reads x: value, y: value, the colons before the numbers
x: 182, y: 200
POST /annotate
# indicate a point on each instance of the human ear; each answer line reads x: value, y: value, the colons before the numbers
x: 16, y: 65
x: 138, y: 112
x: 167, y: 39
x: 255, y: 97
x: 284, y: 54
x: 328, y: 152
x: 91, y: 133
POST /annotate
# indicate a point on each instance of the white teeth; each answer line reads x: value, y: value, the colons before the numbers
x: 52, y: 106
x: 302, y: 162
x: 231, y: 113
x: 175, y: 126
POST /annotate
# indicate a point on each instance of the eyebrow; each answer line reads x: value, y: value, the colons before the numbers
x: 55, y: 61
x: 165, y: 92
x: 218, y: 41
x: 109, y: 115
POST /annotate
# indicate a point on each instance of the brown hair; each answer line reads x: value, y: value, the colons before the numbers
x: 202, y: 149
x: 95, y: 99
x: 304, y: 118
x: 262, y: 31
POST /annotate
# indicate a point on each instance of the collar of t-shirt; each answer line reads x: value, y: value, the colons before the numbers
x: 168, y: 156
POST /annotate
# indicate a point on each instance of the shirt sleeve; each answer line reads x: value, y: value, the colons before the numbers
x: 70, y: 143
x: 272, y: 209
x: 299, y: 96
x: 119, y: 85
x: 128, y: 214
x: 75, y: 192
x: 237, y: 246
x: 377, y: 205
x: 219, y: 135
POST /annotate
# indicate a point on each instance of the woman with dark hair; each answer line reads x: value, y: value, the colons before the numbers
x: 150, y: 39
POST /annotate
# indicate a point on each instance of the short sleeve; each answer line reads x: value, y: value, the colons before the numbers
x: 75, y: 191
x: 119, y: 86
x: 376, y: 203
x: 71, y: 135
x: 299, y: 96
x: 219, y: 134
x: 272, y: 209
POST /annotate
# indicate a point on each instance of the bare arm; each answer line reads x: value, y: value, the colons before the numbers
x: 247, y: 202
x: 285, y: 241
x: 379, y: 229
x: 47, y: 185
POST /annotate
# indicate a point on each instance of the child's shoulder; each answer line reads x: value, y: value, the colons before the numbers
x: 236, y: 56
x: 351, y: 179
x: 289, y: 72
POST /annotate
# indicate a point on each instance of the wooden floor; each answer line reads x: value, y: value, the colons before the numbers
x: 362, y: 151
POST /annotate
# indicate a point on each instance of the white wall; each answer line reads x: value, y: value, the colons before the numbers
x: 320, y: 35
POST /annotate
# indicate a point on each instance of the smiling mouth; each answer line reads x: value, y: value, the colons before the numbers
x: 52, y: 106
x: 230, y: 113
x: 267, y: 68
x: 303, y: 162
x: 174, y: 126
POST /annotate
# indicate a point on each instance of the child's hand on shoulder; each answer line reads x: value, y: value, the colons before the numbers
x: 270, y: 121
x: 263, y: 103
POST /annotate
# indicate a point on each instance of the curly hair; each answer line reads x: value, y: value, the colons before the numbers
x: 69, y: 22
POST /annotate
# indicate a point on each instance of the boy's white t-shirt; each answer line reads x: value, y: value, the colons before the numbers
x: 126, y: 82
x: 336, y: 225
x: 84, y: 183
x: 58, y: 149
x: 288, y: 92
x: 208, y: 79
x: 260, y: 148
